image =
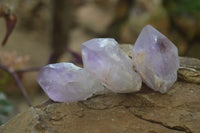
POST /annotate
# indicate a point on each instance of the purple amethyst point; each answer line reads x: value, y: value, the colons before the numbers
x: 156, y: 59
x: 104, y: 59
x: 65, y: 82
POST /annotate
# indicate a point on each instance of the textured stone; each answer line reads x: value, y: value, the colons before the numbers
x: 189, y: 70
x: 156, y: 59
x: 65, y: 82
x: 178, y: 111
x: 104, y: 59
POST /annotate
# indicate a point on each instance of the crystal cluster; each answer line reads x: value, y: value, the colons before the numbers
x: 65, y: 82
x: 104, y: 59
x: 156, y: 59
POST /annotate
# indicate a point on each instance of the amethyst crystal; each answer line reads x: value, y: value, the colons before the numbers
x: 65, y: 82
x: 104, y: 59
x: 156, y: 59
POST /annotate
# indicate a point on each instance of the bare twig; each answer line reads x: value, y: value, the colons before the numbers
x: 18, y: 82
x: 11, y: 21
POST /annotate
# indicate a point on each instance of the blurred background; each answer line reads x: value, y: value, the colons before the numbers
x: 53, y: 30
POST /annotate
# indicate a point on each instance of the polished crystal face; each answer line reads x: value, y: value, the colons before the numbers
x: 103, y: 58
x: 155, y: 57
x: 65, y: 82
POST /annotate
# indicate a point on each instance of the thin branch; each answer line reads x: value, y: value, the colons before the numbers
x: 77, y: 59
x: 19, y: 84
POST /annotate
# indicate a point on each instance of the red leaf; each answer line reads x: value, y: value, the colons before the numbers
x: 11, y: 21
x: 10, y: 25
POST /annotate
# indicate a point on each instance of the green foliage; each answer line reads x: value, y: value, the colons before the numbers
x: 5, y: 107
x: 4, y: 79
x: 186, y: 7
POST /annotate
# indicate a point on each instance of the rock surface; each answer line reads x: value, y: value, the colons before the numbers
x: 177, y: 111
x: 189, y: 70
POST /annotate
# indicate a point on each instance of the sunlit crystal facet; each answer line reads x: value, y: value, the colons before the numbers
x: 156, y: 59
x: 104, y: 59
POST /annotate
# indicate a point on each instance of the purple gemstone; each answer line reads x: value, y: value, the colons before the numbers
x: 65, y: 82
x: 104, y: 59
x: 156, y: 59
